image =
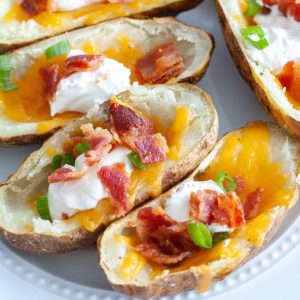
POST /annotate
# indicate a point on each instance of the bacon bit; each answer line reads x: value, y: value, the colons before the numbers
x: 65, y: 174
x: 81, y: 63
x: 240, y: 183
x: 34, y: 7
x: 163, y: 240
x: 202, y: 205
x: 252, y: 203
x: 51, y: 77
x: 136, y: 132
x: 231, y: 206
x: 116, y: 182
x: 161, y: 64
x: 287, y: 7
x: 153, y: 252
x: 212, y: 207
x: 64, y: 216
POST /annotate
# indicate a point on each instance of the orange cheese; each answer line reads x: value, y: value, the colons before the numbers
x: 90, y: 14
x: 177, y: 131
x: 51, y: 151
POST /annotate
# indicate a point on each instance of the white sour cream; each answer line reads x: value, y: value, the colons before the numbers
x: 83, y: 90
x: 83, y: 193
x: 283, y: 36
x: 66, y: 5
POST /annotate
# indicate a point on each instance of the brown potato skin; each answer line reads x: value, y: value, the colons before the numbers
x: 167, y: 10
x: 285, y: 121
x: 39, y: 138
x: 81, y: 238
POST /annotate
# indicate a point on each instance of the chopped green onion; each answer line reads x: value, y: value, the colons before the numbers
x: 5, y: 74
x: 58, y: 49
x: 231, y: 185
x: 255, y: 36
x: 253, y: 8
x: 219, y: 236
x: 200, y: 235
x: 42, y: 206
x: 83, y: 147
x: 136, y: 161
x: 60, y: 160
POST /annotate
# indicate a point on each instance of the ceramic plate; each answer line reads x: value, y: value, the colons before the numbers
x: 76, y: 275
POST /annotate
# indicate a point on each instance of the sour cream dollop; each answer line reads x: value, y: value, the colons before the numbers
x: 283, y: 36
x: 66, y: 5
x: 83, y: 90
x: 84, y: 193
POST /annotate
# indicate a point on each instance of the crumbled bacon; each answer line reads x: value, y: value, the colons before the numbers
x: 116, y: 182
x: 287, y: 7
x: 252, y: 203
x: 81, y: 63
x: 240, y: 183
x: 65, y: 174
x: 208, y: 207
x: 136, y: 132
x: 161, y: 64
x: 50, y: 75
x: 163, y: 240
x: 34, y: 7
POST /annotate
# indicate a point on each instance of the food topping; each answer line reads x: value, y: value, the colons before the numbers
x: 200, y: 235
x: 161, y: 64
x: 136, y: 161
x: 253, y: 8
x: 5, y: 74
x: 135, y: 131
x: 289, y: 78
x: 60, y: 160
x: 116, y: 182
x: 255, y: 36
x: 230, y: 182
x: 252, y: 203
x: 58, y: 49
x: 42, y: 207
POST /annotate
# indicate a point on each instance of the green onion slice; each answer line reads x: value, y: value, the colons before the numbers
x: 200, y: 235
x: 135, y: 160
x: 255, y: 36
x: 253, y: 8
x: 60, y: 160
x: 83, y: 147
x: 219, y: 236
x: 58, y: 49
x: 5, y: 74
x: 43, y: 207
x: 231, y: 185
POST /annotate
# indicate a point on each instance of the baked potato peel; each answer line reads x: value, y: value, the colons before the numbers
x: 25, y: 112
x: 19, y: 216
x: 261, y: 158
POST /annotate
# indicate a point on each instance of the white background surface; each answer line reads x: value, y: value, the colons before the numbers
x: 236, y: 105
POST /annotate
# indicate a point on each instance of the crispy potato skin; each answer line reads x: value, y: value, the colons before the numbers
x: 287, y: 122
x: 81, y: 238
x: 38, y: 138
x: 167, y: 10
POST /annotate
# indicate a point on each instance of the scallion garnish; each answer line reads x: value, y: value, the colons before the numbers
x: 200, y: 235
x: 83, y: 147
x: 231, y: 184
x: 5, y: 74
x: 219, y: 236
x: 253, y: 8
x: 135, y: 160
x: 255, y: 36
x: 60, y: 160
x: 58, y: 49
x: 42, y: 206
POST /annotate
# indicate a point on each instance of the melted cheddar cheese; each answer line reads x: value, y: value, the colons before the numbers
x: 246, y: 154
x: 90, y: 14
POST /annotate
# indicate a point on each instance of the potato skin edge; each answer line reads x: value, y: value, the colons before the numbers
x: 285, y: 121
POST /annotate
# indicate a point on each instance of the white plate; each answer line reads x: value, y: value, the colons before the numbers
x: 76, y: 275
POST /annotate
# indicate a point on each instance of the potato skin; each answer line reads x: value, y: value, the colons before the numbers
x: 192, y: 79
x: 284, y: 120
x: 167, y: 10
